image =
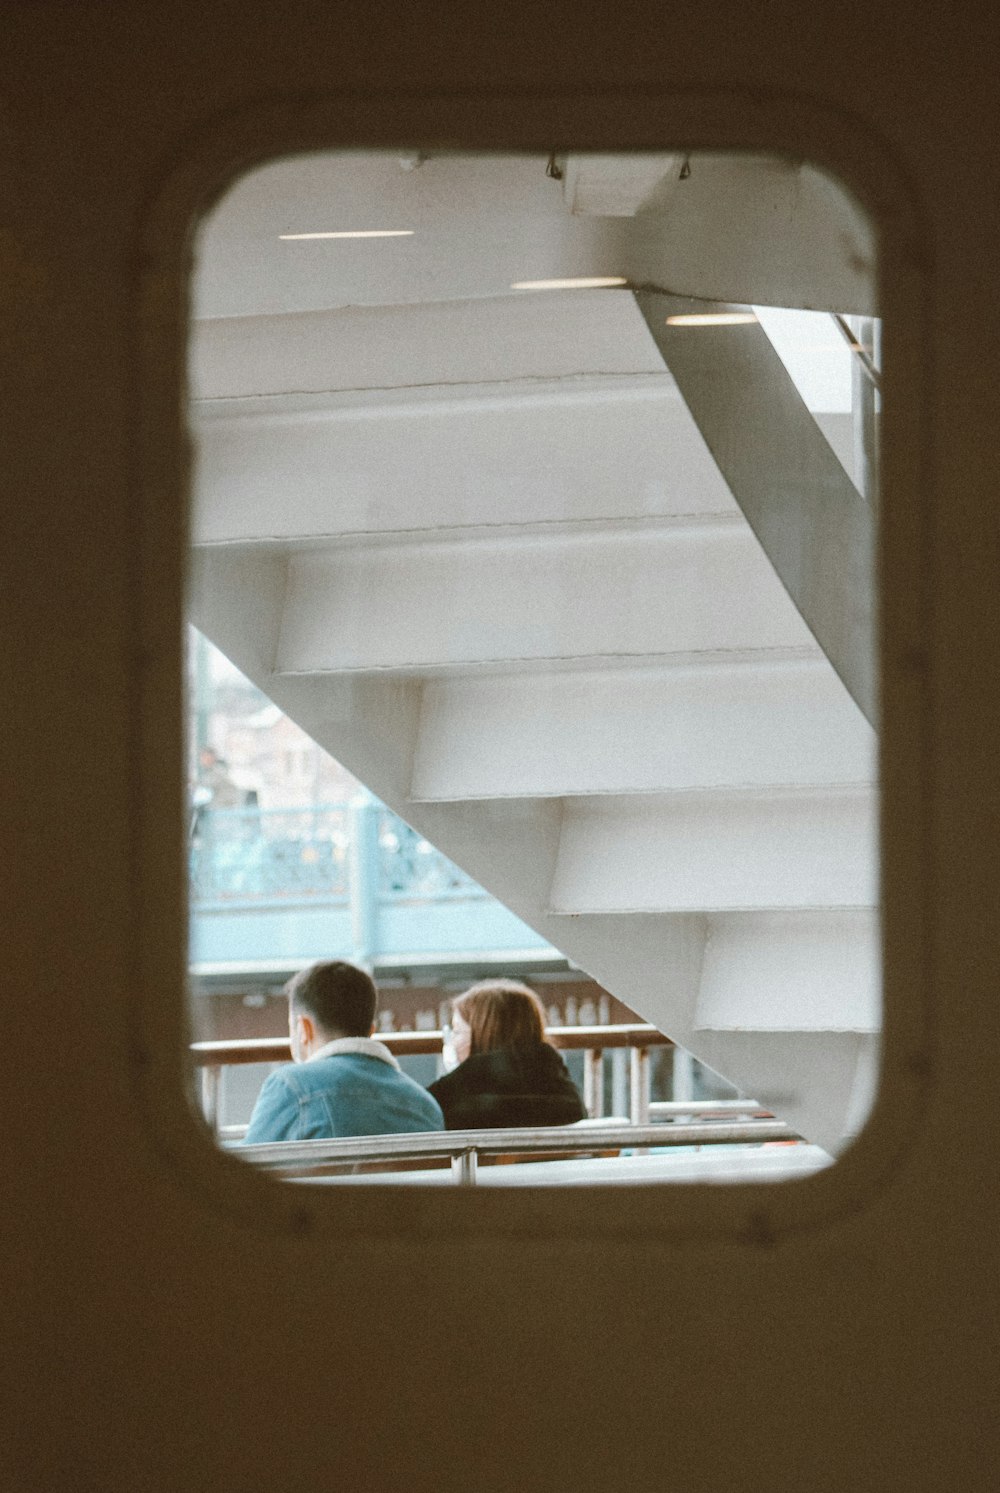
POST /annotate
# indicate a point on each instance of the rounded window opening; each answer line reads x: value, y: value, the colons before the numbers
x: 532, y: 605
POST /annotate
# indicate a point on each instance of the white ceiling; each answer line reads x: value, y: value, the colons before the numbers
x: 479, y: 224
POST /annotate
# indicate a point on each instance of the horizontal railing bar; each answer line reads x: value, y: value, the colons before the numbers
x: 295, y: 901
x: 412, y: 897
x: 618, y: 1034
x: 664, y: 1110
x: 302, y: 811
x: 699, y: 1108
x: 429, y: 1144
x: 278, y: 1050
x: 409, y: 1044
x: 657, y: 1111
x: 241, y: 1050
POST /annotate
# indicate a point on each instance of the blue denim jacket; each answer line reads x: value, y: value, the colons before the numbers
x: 352, y: 1086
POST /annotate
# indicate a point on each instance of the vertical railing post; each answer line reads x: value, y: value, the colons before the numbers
x: 211, y: 1083
x: 683, y: 1076
x: 619, y: 1081
x: 363, y: 877
x: 639, y: 1095
x: 593, y: 1082
x: 463, y: 1168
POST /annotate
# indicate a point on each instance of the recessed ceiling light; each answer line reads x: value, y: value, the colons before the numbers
x: 355, y: 233
x: 713, y: 319
x: 581, y: 282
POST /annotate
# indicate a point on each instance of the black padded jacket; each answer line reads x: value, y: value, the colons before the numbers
x: 509, y: 1086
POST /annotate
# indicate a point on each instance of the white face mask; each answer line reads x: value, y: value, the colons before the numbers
x: 449, y: 1057
x: 457, y: 1039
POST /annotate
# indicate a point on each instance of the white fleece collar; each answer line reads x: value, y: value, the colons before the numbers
x: 365, y: 1047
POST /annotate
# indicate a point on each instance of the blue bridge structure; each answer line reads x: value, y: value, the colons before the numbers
x: 274, y: 889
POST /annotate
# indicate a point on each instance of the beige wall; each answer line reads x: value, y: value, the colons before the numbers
x: 173, y: 1323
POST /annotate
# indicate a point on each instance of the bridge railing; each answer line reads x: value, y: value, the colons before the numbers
x: 252, y: 857
x: 411, y: 869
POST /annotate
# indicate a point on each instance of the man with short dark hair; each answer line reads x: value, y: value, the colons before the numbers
x: 341, y: 1082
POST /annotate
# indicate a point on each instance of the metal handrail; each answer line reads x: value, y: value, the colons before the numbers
x: 463, y: 1147
x: 632, y: 1034
x: 669, y: 1108
x: 669, y: 1111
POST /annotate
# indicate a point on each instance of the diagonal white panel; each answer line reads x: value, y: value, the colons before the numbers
x: 719, y: 851
x: 237, y: 598
x: 558, y: 454
x: 792, y: 971
x: 579, y: 596
x: 811, y: 1079
x: 667, y: 729
x: 435, y: 345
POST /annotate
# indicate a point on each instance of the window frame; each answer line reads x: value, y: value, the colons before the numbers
x: 750, y: 1214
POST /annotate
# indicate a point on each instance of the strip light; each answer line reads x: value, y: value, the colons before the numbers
x: 713, y: 319
x: 355, y: 233
x: 581, y: 282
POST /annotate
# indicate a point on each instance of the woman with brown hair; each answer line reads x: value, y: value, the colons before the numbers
x: 508, y: 1073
